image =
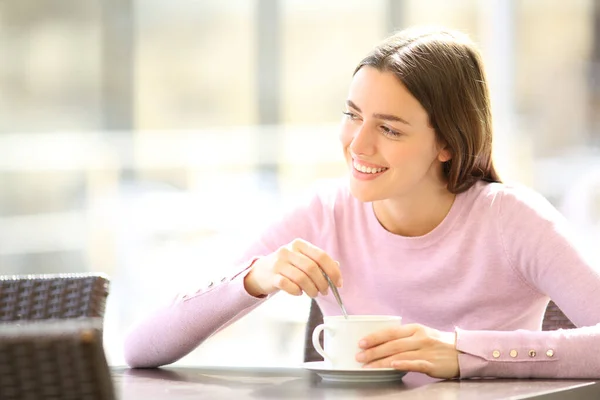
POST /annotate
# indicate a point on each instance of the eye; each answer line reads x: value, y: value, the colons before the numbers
x: 350, y: 115
x: 389, y: 131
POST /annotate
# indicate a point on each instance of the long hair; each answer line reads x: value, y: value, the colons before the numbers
x: 443, y: 70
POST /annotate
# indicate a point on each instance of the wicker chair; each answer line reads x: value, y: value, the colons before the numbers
x: 54, y: 359
x: 61, y: 296
x: 554, y: 319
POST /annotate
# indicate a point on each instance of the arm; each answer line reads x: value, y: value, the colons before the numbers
x: 542, y: 252
x: 567, y: 353
x: 175, y: 330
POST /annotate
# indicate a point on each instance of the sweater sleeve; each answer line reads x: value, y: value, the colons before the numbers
x: 542, y: 252
x: 173, y: 331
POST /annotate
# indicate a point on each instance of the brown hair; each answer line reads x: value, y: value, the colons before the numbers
x: 443, y: 70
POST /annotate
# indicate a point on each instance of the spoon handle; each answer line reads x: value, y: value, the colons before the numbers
x: 336, y: 294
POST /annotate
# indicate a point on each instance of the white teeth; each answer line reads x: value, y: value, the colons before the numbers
x: 366, y: 170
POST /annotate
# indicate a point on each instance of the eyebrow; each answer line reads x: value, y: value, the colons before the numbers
x: 386, y: 117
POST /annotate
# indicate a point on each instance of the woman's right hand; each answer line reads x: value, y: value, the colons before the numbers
x: 295, y: 268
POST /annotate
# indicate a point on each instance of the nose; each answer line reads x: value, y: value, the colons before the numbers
x: 363, y: 141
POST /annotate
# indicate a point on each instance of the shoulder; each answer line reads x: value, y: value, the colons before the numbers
x: 519, y: 211
x: 510, y: 207
x: 517, y: 201
x: 506, y: 199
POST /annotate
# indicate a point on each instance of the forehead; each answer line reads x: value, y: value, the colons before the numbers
x: 381, y: 92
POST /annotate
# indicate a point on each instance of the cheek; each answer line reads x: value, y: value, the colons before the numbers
x: 345, y: 135
x: 400, y: 156
x: 408, y: 157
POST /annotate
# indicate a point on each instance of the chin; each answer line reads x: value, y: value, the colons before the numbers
x: 364, y: 194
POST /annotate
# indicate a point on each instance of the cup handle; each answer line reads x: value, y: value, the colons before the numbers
x: 316, y: 344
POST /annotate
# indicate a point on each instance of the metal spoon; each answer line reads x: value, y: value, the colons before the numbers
x: 336, y: 294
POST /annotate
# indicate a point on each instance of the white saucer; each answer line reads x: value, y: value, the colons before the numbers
x: 355, y: 374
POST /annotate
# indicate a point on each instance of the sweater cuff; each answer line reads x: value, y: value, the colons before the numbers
x: 237, y: 282
x: 505, y: 354
x: 231, y: 288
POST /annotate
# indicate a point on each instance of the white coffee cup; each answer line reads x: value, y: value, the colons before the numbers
x: 342, y: 336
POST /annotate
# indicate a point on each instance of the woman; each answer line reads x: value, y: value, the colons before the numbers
x: 423, y: 229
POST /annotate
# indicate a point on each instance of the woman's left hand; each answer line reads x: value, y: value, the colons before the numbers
x: 412, y: 347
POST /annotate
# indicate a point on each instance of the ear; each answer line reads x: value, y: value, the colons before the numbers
x: 444, y: 154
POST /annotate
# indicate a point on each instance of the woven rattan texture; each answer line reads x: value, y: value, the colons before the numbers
x: 64, y: 361
x: 555, y: 319
x: 38, y: 297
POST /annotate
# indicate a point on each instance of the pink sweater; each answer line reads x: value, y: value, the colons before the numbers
x: 487, y: 272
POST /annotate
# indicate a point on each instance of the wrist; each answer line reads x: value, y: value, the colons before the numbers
x: 448, y: 338
x: 251, y: 287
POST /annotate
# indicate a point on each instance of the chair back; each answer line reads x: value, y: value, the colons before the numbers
x: 554, y: 319
x: 62, y: 296
x: 54, y: 359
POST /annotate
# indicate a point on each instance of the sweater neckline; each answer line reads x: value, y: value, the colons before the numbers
x: 417, y: 241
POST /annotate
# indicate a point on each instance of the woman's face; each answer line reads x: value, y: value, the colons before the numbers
x: 389, y: 146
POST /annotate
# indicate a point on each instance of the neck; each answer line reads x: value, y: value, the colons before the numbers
x: 416, y: 214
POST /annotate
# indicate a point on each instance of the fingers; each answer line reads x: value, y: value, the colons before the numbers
x: 413, y: 362
x: 388, y: 349
x: 386, y: 335
x: 321, y: 258
x: 299, y: 266
x: 435, y: 369
x: 311, y: 270
x: 422, y: 366
x: 285, y: 284
x: 412, y: 347
x: 300, y: 270
x: 299, y: 279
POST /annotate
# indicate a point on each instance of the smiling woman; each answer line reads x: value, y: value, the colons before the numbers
x: 422, y: 229
x: 424, y: 115
x: 444, y: 85
x: 407, y: 157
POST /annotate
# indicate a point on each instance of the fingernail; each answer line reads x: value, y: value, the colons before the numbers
x: 360, y: 357
x: 362, y: 344
x: 340, y: 282
x: 326, y: 291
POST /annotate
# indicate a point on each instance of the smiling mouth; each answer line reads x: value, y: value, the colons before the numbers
x: 367, y: 170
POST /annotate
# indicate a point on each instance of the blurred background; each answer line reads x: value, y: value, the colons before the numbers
x: 150, y: 140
